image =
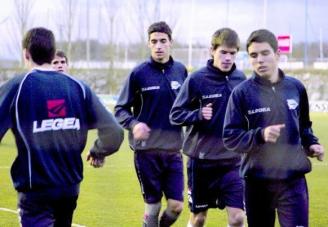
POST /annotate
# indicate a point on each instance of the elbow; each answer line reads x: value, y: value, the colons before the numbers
x: 174, y: 119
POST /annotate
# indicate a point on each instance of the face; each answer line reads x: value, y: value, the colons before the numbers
x: 264, y: 60
x: 160, y: 46
x: 224, y: 57
x: 60, y: 64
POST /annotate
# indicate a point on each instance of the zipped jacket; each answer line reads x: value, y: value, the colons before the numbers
x: 50, y: 115
x: 147, y: 96
x: 256, y: 104
x: 203, y: 139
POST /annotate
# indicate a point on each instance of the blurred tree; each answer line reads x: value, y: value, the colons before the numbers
x: 20, y: 21
x: 66, y: 23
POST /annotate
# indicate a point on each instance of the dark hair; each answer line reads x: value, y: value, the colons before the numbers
x: 160, y: 27
x: 262, y: 36
x: 40, y: 43
x: 225, y: 36
x: 61, y: 54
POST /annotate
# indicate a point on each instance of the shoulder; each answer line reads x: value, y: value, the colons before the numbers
x: 243, y: 88
x: 293, y: 80
x: 178, y: 64
x: 238, y: 74
x: 200, y: 73
x: 141, y: 70
x: 12, y: 84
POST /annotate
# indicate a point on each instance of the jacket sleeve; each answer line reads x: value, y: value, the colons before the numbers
x: 236, y: 133
x: 186, y: 107
x: 306, y: 133
x: 7, y: 94
x: 125, y: 102
x: 110, y: 133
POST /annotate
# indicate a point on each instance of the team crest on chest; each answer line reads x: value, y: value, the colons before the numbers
x: 175, y: 85
x: 292, y: 104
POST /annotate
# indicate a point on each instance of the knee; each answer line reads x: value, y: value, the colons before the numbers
x: 175, y: 206
x: 199, y: 220
x: 237, y: 219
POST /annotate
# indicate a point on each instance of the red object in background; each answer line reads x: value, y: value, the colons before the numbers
x: 285, y: 44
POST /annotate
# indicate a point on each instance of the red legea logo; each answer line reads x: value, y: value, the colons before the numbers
x: 56, y: 108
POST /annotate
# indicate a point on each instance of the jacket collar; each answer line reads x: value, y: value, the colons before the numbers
x: 266, y: 82
x: 161, y: 66
x: 217, y: 71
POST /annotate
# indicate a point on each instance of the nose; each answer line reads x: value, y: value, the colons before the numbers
x: 228, y: 57
x: 259, y: 58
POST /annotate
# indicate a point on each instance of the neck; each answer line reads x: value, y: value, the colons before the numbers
x: 45, y: 66
x: 161, y: 61
x: 275, y: 76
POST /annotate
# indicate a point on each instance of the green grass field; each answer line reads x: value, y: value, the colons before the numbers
x: 111, y: 196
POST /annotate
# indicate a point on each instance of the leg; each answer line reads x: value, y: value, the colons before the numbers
x: 198, y: 219
x: 232, y: 197
x: 173, y: 188
x: 149, y: 172
x: 258, y: 202
x: 64, y: 210
x: 171, y: 213
x: 200, y: 194
x: 151, y: 214
x: 34, y: 211
x: 293, y: 205
x: 236, y: 217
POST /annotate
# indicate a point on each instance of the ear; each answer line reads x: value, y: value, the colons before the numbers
x: 211, y: 51
x: 26, y: 54
x: 278, y: 54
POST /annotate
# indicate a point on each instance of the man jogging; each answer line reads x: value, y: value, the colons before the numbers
x: 50, y: 115
x: 143, y: 108
x: 267, y: 120
x: 213, y: 171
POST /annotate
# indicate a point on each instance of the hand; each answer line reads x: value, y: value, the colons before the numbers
x: 141, y: 131
x: 95, y: 162
x: 207, y: 111
x: 317, y: 151
x: 272, y: 133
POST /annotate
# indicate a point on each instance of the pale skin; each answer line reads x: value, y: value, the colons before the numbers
x: 60, y: 64
x: 264, y: 61
x: 223, y: 59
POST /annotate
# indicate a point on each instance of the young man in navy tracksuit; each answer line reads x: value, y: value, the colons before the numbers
x: 50, y: 115
x: 143, y: 108
x: 213, y: 171
x: 267, y: 120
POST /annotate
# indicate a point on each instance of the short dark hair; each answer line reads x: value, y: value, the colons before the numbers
x: 40, y: 43
x: 225, y: 36
x: 262, y: 36
x: 61, y: 54
x: 160, y: 27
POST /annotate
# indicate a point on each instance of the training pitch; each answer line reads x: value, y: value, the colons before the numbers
x: 110, y: 196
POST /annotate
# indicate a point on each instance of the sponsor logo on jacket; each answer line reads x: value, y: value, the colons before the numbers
x: 175, y: 85
x: 211, y: 96
x: 56, y: 124
x: 292, y: 104
x: 57, y: 118
x: 259, y: 110
x: 56, y: 108
x: 150, y: 88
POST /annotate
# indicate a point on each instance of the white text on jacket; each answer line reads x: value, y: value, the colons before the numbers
x: 56, y: 124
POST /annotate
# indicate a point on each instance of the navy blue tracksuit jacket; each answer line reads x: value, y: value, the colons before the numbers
x: 147, y: 96
x: 50, y: 115
x: 203, y: 138
x: 256, y: 104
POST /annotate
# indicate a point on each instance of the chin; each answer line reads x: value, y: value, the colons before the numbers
x: 225, y: 69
